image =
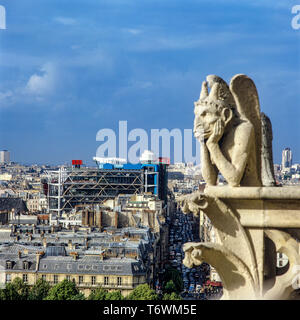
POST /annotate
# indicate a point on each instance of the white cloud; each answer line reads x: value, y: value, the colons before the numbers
x: 132, y: 31
x: 65, y: 21
x: 5, y: 95
x: 42, y: 84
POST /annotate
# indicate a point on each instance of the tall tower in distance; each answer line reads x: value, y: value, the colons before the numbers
x: 4, y: 156
x: 286, y: 158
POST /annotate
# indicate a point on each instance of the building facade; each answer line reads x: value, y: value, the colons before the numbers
x: 4, y: 156
x: 286, y: 159
x: 69, y: 187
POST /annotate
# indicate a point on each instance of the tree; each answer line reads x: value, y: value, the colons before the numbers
x: 2, y: 294
x: 15, y: 290
x: 99, y: 294
x: 171, y: 296
x: 169, y: 287
x: 175, y: 276
x: 114, y: 295
x: 78, y: 296
x: 143, y: 292
x: 39, y: 291
x: 65, y: 290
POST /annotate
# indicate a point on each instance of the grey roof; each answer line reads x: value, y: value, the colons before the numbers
x: 13, y: 203
x: 91, y: 265
x: 55, y: 251
x: 23, y: 221
x: 18, y: 263
x: 66, y: 264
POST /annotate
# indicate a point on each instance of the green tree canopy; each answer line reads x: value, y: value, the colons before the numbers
x: 143, y: 292
x: 15, y: 290
x: 114, y: 295
x: 171, y: 296
x: 99, y: 294
x: 39, y: 291
x: 170, y: 287
x: 175, y: 276
x: 65, y: 290
x: 2, y: 294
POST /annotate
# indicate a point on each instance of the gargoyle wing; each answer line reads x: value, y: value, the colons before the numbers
x: 246, y: 99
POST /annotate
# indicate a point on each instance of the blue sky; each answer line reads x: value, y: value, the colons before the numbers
x: 71, y: 68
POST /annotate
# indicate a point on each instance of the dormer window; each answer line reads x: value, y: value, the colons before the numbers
x: 25, y: 265
x: 8, y: 264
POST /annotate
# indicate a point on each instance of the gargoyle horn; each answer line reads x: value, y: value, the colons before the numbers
x: 204, y: 91
x: 214, y: 92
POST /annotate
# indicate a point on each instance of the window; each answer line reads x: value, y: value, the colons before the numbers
x: 119, y: 281
x: 80, y: 279
x: 25, y: 278
x: 8, y: 278
x: 55, y: 278
x: 93, y: 279
x: 25, y: 265
x: 44, y: 277
x: 68, y: 278
x: 106, y: 281
x: 8, y: 264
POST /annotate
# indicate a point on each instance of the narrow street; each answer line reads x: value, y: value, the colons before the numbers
x: 183, y: 229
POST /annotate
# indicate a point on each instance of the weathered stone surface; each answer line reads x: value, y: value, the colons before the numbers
x: 252, y: 218
x: 228, y: 126
x: 267, y: 166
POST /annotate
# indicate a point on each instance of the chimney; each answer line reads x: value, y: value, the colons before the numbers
x: 91, y: 219
x: 116, y: 220
x: 100, y: 220
x: 102, y: 256
x: 44, y: 242
x: 38, y: 256
x: 83, y: 217
x: 86, y: 217
x: 75, y: 255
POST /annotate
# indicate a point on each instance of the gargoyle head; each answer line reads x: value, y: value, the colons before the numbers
x: 213, y: 105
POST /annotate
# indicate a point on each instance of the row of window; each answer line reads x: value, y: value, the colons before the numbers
x: 55, y: 279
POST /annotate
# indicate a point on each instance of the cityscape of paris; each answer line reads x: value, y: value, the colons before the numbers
x: 149, y: 150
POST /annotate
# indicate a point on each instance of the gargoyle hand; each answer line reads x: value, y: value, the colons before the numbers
x: 217, y: 134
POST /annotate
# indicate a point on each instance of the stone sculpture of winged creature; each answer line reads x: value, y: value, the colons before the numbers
x: 228, y: 125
